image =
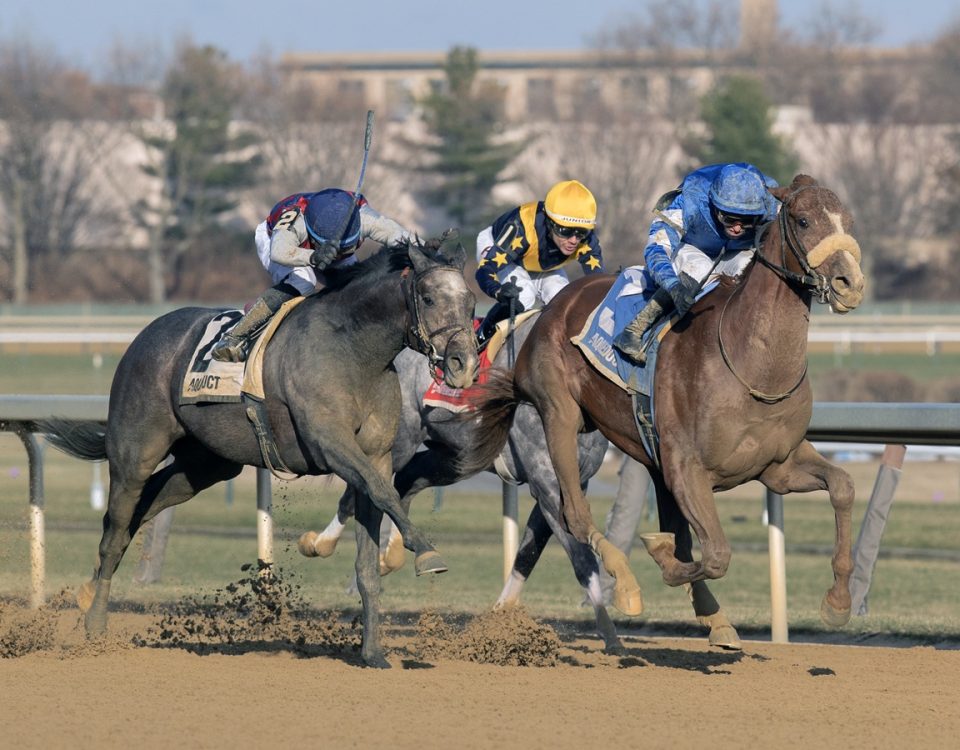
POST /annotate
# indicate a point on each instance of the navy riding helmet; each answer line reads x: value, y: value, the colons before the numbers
x: 333, y: 215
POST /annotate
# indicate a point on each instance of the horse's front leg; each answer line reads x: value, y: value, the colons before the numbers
x: 347, y: 460
x: 806, y: 470
x: 685, y: 481
x: 561, y: 422
x: 368, y: 518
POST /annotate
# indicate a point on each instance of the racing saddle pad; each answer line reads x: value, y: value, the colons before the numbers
x: 209, y: 381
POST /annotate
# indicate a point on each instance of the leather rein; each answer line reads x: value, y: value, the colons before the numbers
x: 810, y: 279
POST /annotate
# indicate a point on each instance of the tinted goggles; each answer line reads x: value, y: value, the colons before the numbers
x: 562, y: 231
x: 729, y: 220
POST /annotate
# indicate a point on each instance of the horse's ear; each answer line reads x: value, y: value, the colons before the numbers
x: 457, y: 257
x: 780, y: 193
x: 802, y: 180
x: 418, y: 259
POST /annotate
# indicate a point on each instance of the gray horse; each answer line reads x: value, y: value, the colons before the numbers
x: 333, y: 402
x: 524, y: 459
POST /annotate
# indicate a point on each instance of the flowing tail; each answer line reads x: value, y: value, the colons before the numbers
x: 494, y: 405
x: 86, y: 440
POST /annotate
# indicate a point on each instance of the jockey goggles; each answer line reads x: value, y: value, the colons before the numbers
x: 728, y: 219
x: 562, y: 231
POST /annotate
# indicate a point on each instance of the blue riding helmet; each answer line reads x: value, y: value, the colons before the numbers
x: 333, y: 215
x: 738, y: 191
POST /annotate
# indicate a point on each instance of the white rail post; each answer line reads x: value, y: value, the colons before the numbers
x: 778, y: 569
x: 38, y: 564
x: 264, y: 518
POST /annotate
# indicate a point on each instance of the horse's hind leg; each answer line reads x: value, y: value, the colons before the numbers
x: 806, y: 470
x: 133, y: 501
x: 368, y: 518
x: 312, y: 544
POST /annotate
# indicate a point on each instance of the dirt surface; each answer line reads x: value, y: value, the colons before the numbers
x: 250, y: 667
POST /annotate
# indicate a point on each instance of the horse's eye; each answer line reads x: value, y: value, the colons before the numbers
x: 802, y: 223
x: 428, y: 300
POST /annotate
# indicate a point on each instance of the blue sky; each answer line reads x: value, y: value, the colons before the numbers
x: 82, y: 31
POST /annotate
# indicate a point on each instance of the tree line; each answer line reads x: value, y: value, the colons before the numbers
x: 107, y: 201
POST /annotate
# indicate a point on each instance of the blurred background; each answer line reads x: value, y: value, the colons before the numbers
x: 140, y: 146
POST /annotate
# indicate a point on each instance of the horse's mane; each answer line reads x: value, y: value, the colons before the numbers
x: 385, y: 261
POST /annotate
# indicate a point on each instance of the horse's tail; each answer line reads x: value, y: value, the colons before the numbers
x: 86, y: 440
x: 494, y: 404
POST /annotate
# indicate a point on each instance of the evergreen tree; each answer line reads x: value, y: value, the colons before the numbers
x: 465, y: 118
x: 198, y: 160
x: 738, y: 118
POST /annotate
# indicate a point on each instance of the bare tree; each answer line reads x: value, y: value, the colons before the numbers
x: 888, y: 176
x: 50, y: 149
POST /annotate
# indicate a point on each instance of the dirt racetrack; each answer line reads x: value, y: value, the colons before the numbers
x: 190, y: 679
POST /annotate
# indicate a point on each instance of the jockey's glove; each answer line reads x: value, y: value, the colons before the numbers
x: 684, y: 294
x: 509, y: 294
x: 323, y: 256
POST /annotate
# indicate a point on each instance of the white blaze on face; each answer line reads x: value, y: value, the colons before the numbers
x: 837, y: 221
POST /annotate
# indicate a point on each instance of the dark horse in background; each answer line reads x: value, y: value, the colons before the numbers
x: 333, y: 401
x: 429, y: 452
x: 732, y: 400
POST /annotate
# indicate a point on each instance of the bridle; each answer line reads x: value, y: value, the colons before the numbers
x: 809, y: 279
x: 417, y: 337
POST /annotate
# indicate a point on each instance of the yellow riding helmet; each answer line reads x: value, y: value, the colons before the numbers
x: 570, y: 204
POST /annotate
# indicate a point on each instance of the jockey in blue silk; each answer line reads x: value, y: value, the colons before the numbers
x: 522, y: 254
x: 703, y: 229
x: 304, y: 234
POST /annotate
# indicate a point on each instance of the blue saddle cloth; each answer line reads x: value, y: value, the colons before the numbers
x: 627, y: 297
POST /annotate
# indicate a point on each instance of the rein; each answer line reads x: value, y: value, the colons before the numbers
x: 810, y: 279
x: 418, y: 337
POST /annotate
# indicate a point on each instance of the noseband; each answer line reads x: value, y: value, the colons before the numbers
x: 810, y: 279
x: 418, y: 337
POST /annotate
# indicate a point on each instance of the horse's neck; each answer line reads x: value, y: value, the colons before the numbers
x: 379, y: 311
x: 766, y: 323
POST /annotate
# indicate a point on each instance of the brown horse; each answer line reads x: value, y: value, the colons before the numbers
x: 732, y: 400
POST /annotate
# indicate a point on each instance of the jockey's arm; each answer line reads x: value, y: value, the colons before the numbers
x: 382, y: 229
x: 590, y: 255
x: 661, y: 246
x: 286, y: 242
x: 494, y: 266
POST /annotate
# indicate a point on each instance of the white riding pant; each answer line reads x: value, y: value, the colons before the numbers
x: 538, y: 285
x: 302, y: 278
x: 694, y: 262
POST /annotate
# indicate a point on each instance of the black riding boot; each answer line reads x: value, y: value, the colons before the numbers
x: 630, y: 340
x: 498, y: 312
x: 235, y: 345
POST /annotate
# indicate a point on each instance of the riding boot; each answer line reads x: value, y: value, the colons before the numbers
x: 630, y: 340
x: 235, y: 345
x: 498, y: 312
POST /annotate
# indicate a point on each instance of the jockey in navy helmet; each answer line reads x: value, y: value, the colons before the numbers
x: 522, y: 254
x: 305, y: 234
x: 704, y: 228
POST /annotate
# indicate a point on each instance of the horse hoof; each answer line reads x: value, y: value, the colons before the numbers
x: 429, y: 562
x: 833, y: 617
x: 95, y: 627
x: 305, y: 545
x: 725, y: 637
x: 377, y: 661
x: 630, y: 601
x: 85, y: 596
